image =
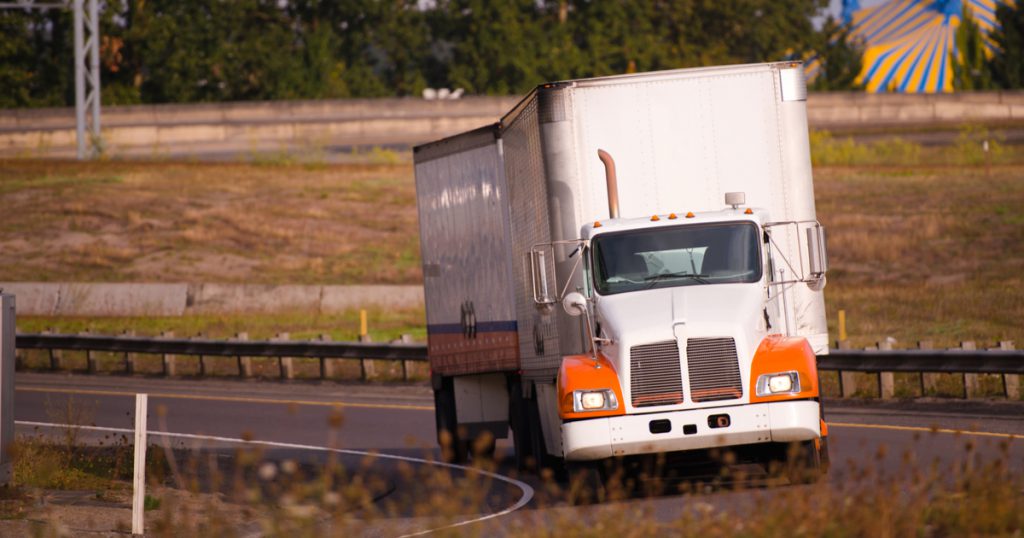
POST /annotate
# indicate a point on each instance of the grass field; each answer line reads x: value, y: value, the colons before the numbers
x: 174, y: 222
x: 918, y: 251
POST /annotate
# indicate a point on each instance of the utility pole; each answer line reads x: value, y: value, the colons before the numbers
x: 87, y: 69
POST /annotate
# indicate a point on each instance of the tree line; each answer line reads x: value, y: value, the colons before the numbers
x: 164, y: 51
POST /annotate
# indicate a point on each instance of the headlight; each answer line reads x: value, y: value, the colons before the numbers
x: 594, y: 400
x: 779, y: 383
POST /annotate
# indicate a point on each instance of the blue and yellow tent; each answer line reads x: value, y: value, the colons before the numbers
x: 908, y: 42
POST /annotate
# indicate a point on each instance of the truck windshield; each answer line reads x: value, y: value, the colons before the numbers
x: 685, y: 255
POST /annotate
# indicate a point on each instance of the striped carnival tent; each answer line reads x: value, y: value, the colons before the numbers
x: 908, y: 42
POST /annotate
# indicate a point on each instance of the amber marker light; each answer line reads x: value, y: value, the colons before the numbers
x: 748, y: 211
x: 654, y: 218
x: 690, y: 215
x: 672, y: 216
x: 597, y: 224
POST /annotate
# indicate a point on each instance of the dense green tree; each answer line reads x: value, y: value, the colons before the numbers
x: 222, y: 50
x: 970, y: 65
x: 195, y: 50
x: 756, y: 30
x: 839, y: 57
x: 494, y: 47
x: 1008, y: 61
x: 36, y: 58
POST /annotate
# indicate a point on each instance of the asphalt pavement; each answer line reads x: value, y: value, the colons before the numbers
x: 303, y: 421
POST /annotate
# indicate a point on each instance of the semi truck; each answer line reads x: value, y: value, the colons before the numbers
x: 629, y: 265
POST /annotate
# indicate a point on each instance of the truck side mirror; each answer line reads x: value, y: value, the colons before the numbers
x: 539, y: 278
x: 817, y: 257
x: 575, y: 304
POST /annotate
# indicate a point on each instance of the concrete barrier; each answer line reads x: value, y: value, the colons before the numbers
x: 195, y: 129
x: 153, y: 299
x: 98, y: 299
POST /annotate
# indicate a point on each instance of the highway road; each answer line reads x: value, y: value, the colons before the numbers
x: 295, y: 420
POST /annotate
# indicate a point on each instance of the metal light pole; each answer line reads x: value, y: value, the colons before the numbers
x: 87, y: 69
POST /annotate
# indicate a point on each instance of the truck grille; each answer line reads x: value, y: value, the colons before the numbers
x: 714, y: 369
x: 655, y: 374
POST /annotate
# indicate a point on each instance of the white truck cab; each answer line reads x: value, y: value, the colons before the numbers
x: 704, y: 279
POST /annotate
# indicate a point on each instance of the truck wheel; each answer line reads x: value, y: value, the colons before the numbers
x: 519, y: 419
x: 541, y: 459
x: 802, y: 464
x: 453, y: 449
x: 826, y: 463
x: 482, y: 448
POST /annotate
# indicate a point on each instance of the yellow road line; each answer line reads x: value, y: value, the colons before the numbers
x: 430, y: 408
x: 923, y: 430
x: 227, y: 398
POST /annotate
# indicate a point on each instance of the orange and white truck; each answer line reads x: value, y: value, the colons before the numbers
x: 629, y: 265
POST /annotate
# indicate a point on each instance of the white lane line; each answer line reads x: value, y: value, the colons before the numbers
x: 526, y: 489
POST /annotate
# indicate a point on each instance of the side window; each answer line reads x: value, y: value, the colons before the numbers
x: 587, y: 283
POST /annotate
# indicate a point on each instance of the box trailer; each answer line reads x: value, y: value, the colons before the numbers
x: 628, y: 265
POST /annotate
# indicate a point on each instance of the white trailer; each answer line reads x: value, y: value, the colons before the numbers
x: 690, y: 278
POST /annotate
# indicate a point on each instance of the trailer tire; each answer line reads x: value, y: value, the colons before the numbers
x: 453, y: 448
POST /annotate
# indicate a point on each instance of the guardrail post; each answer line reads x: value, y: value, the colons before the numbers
x: 326, y: 364
x: 170, y: 362
x: 55, y: 354
x: 847, y: 380
x: 886, y: 381
x: 7, y: 350
x: 285, y: 365
x: 90, y: 357
x: 929, y: 381
x: 129, y: 358
x: 244, y: 363
x: 365, y: 369
x: 1011, y: 382
x: 404, y: 339
x: 202, y: 361
x: 971, y: 385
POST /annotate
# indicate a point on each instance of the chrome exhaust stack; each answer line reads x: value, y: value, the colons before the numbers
x: 613, y: 185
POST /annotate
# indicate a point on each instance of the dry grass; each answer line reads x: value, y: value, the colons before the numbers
x: 972, y: 493
x: 917, y: 252
x: 174, y: 222
x: 925, y: 253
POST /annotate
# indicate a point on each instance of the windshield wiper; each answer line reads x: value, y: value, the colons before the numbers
x: 654, y: 279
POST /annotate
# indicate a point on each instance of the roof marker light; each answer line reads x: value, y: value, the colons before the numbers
x: 749, y: 211
x: 689, y: 215
x: 672, y: 216
x: 597, y: 224
x: 654, y: 218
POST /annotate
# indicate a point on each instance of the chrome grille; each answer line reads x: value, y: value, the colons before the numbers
x: 714, y: 369
x: 655, y: 375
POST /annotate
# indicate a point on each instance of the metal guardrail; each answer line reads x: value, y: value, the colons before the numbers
x: 224, y: 348
x: 881, y: 362
x: 992, y: 361
x: 243, y: 350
